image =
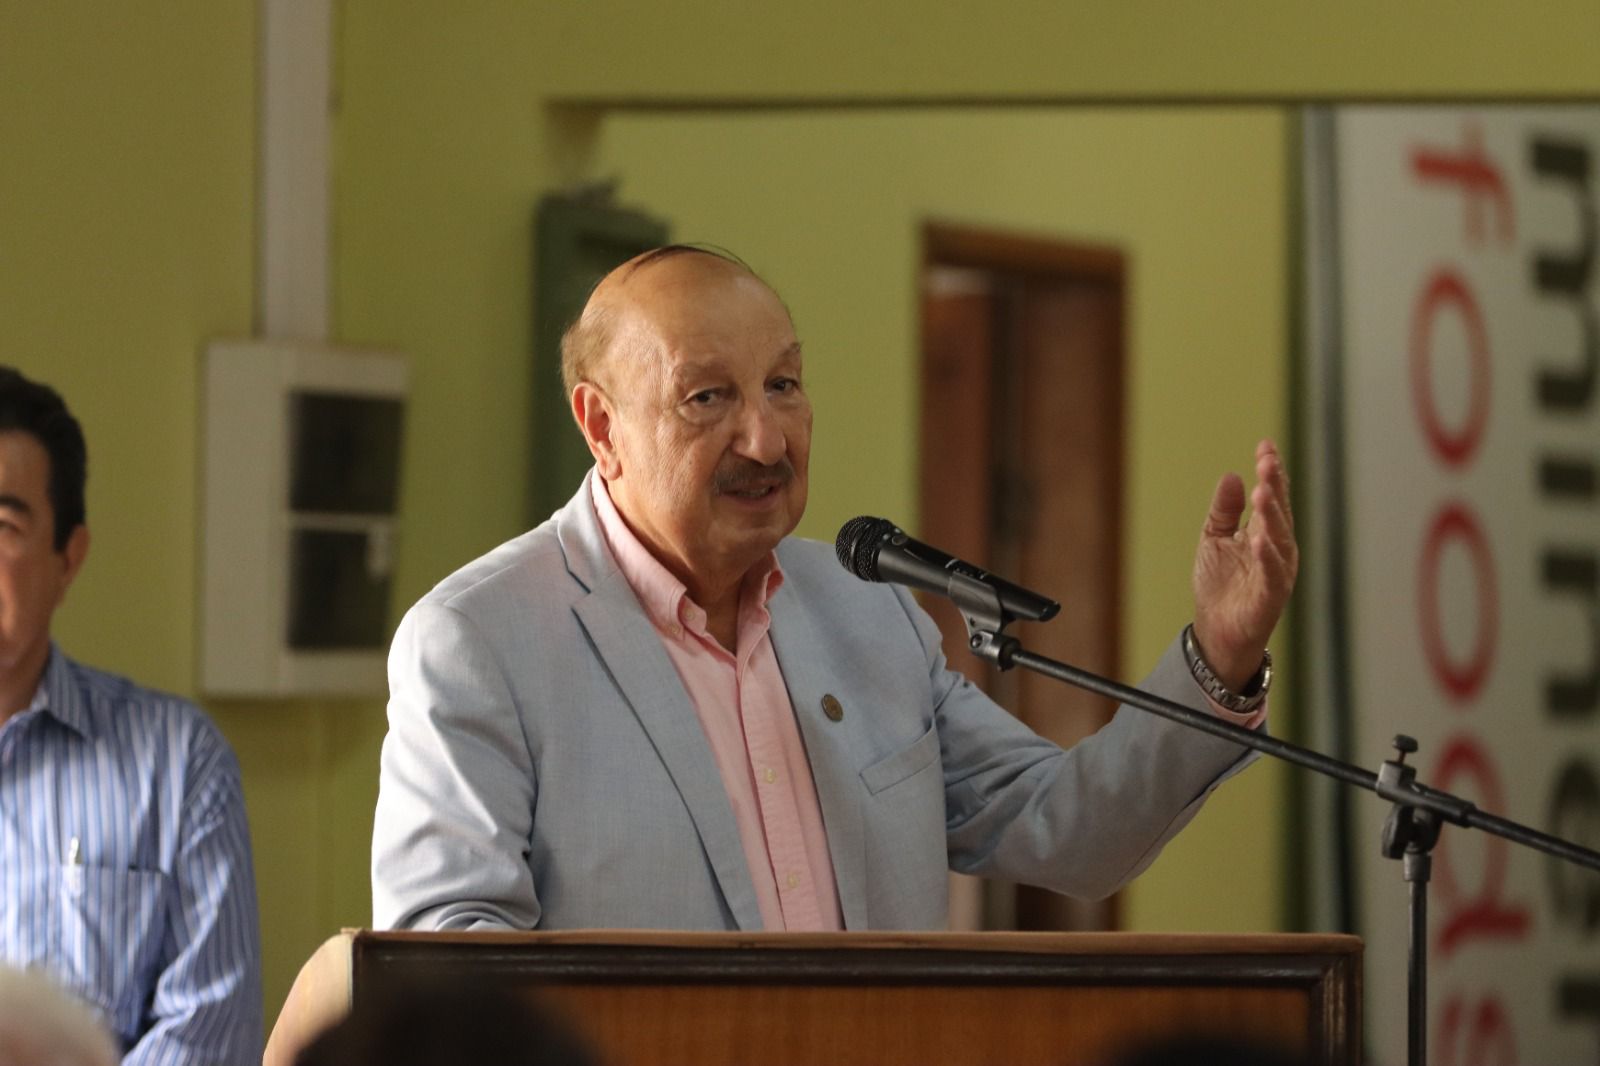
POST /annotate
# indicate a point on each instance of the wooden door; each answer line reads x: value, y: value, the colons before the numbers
x: 1022, y: 465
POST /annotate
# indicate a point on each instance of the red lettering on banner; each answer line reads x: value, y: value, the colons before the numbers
x: 1487, y: 916
x: 1474, y: 1027
x: 1490, y: 1041
x: 1463, y: 679
x: 1480, y: 181
x: 1455, y: 447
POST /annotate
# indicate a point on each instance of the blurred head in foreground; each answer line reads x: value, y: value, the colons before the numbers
x: 40, y: 1025
x: 442, y: 1023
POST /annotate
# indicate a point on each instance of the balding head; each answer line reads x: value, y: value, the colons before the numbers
x: 631, y: 289
x: 685, y: 377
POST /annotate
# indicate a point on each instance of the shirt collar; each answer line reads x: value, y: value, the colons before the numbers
x: 664, y: 598
x: 58, y: 697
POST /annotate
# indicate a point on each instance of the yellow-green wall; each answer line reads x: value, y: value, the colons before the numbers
x: 715, y: 51
x: 127, y: 237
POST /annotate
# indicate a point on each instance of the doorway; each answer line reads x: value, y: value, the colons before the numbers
x: 1022, y: 469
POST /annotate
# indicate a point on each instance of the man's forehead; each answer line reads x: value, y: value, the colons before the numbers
x: 24, y: 473
x: 698, y: 306
x: 683, y: 363
x: 23, y: 458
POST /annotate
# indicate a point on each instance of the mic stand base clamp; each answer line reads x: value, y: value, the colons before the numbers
x: 1409, y: 834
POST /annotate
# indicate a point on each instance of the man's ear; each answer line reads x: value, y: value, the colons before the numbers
x: 592, y: 409
x: 75, y: 552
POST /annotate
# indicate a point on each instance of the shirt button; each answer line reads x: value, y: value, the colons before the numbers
x: 792, y: 880
x: 769, y: 775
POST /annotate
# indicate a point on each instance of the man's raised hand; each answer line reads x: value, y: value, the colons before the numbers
x: 1244, y: 573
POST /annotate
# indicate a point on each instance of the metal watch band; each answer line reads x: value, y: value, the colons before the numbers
x: 1255, y: 692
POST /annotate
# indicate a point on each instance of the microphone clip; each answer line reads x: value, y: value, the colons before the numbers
x: 985, y: 619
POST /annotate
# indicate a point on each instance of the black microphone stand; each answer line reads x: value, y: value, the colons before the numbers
x: 1409, y: 833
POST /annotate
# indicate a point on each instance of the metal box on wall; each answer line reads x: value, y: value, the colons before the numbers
x: 300, y: 491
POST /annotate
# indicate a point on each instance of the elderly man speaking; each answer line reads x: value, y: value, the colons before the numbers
x: 657, y: 709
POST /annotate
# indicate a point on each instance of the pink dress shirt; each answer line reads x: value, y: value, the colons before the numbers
x: 744, y: 709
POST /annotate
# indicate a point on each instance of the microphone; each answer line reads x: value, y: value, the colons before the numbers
x: 875, y: 549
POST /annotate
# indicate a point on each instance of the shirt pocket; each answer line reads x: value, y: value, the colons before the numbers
x: 890, y: 771
x: 108, y: 938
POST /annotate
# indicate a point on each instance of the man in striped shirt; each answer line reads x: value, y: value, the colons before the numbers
x: 125, y: 869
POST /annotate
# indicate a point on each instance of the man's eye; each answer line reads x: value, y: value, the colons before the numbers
x: 703, y: 398
x: 786, y: 385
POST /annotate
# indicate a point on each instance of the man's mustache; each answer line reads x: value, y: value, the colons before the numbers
x: 744, y: 475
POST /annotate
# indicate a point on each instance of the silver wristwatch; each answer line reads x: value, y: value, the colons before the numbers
x: 1255, y: 691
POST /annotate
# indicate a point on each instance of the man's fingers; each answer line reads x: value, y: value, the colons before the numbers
x: 1275, y: 566
x: 1227, y: 504
x: 1271, y: 471
x: 1274, y: 520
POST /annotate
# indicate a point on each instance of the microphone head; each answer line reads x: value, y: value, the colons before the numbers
x: 857, y: 545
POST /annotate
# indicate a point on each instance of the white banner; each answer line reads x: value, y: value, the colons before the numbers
x: 1467, y: 297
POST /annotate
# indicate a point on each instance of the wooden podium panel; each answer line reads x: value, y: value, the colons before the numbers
x: 733, y: 998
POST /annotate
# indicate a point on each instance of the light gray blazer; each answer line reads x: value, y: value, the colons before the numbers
x: 544, y: 767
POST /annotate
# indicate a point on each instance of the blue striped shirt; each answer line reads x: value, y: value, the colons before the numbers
x: 125, y: 868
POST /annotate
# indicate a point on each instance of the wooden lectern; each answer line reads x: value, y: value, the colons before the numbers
x: 883, y: 999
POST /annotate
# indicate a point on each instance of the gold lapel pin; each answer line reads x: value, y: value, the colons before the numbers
x: 832, y: 708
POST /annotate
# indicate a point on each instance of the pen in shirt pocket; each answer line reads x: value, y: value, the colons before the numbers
x: 73, y: 871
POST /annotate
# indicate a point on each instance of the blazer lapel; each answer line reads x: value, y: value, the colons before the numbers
x: 631, y: 651
x: 809, y: 677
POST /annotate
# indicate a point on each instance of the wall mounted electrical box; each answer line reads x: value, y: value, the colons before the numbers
x: 300, y: 485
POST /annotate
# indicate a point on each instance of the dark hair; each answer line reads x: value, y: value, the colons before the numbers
x: 442, y: 1022
x: 38, y: 410
x: 672, y: 251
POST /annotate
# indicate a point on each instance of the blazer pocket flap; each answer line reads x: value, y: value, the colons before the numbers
x: 922, y: 753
